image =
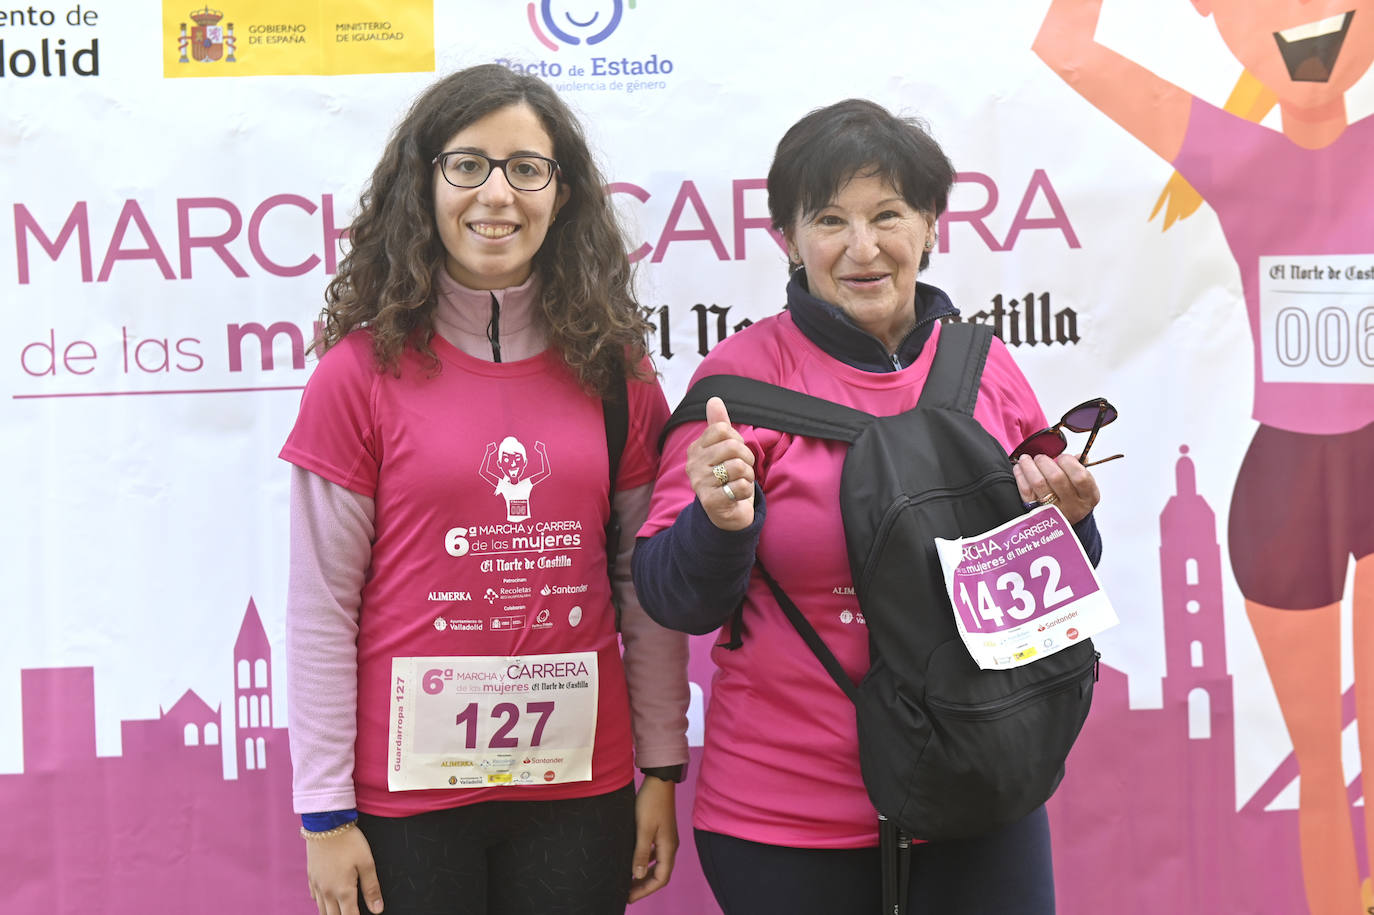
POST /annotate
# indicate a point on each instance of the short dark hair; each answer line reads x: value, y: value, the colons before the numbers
x: 823, y: 150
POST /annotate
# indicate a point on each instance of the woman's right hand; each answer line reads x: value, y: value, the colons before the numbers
x: 336, y: 867
x: 721, y: 446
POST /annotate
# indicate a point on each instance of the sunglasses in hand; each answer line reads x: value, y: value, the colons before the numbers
x: 1089, y: 416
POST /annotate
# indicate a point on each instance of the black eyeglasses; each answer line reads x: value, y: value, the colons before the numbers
x: 1088, y: 416
x: 470, y: 169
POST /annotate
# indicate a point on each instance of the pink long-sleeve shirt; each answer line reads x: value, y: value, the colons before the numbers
x: 385, y: 466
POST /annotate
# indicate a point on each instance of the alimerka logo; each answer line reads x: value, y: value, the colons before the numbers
x: 208, y: 40
x: 590, y: 22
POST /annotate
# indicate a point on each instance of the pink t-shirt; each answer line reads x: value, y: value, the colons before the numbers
x: 448, y: 451
x: 1276, y: 199
x: 781, y: 761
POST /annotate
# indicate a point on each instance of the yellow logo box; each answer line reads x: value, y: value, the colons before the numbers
x: 297, y: 37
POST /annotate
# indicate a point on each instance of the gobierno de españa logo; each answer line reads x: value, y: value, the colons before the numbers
x: 584, y: 24
x: 208, y: 40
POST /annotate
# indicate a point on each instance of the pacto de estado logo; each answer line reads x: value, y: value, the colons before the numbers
x: 581, y: 26
x: 574, y: 23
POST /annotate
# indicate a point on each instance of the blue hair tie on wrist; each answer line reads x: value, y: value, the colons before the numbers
x: 332, y: 819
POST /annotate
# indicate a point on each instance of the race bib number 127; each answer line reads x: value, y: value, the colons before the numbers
x: 476, y: 722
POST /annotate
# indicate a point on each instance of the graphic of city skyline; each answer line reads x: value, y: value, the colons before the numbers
x: 1144, y: 822
x: 158, y: 826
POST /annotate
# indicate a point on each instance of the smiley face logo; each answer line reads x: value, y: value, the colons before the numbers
x: 575, y: 21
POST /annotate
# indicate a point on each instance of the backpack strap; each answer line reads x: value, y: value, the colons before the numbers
x: 958, y: 367
x: 951, y: 385
x: 615, y: 409
x: 953, y: 382
x: 810, y: 636
x: 759, y: 403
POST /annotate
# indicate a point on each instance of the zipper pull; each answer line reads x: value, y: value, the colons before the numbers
x: 494, y: 329
x: 896, y: 363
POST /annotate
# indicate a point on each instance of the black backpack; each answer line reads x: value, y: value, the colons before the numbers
x: 947, y: 750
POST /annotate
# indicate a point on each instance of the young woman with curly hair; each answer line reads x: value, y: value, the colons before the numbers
x: 463, y: 728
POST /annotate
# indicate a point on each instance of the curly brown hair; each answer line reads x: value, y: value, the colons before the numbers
x: 386, y: 282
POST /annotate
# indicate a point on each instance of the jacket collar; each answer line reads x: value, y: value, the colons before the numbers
x: 469, y: 310
x: 828, y: 327
x: 494, y: 325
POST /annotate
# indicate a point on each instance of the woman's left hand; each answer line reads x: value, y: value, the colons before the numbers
x: 1058, y: 481
x: 655, y: 836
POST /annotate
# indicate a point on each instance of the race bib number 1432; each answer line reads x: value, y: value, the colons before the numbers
x: 1023, y: 590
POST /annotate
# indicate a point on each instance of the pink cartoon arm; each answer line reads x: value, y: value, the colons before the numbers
x: 544, y: 468
x: 485, y: 469
x: 1154, y: 110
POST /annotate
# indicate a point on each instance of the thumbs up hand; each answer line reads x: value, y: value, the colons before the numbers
x: 721, y: 468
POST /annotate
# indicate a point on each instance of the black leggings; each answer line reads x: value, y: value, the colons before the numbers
x: 571, y: 857
x: 1008, y: 872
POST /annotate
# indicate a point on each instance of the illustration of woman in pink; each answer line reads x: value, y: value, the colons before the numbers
x: 511, y: 462
x: 1296, y: 207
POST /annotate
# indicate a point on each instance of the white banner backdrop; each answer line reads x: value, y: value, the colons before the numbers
x: 162, y: 257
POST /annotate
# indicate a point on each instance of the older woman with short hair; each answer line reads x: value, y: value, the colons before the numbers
x: 783, y: 821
